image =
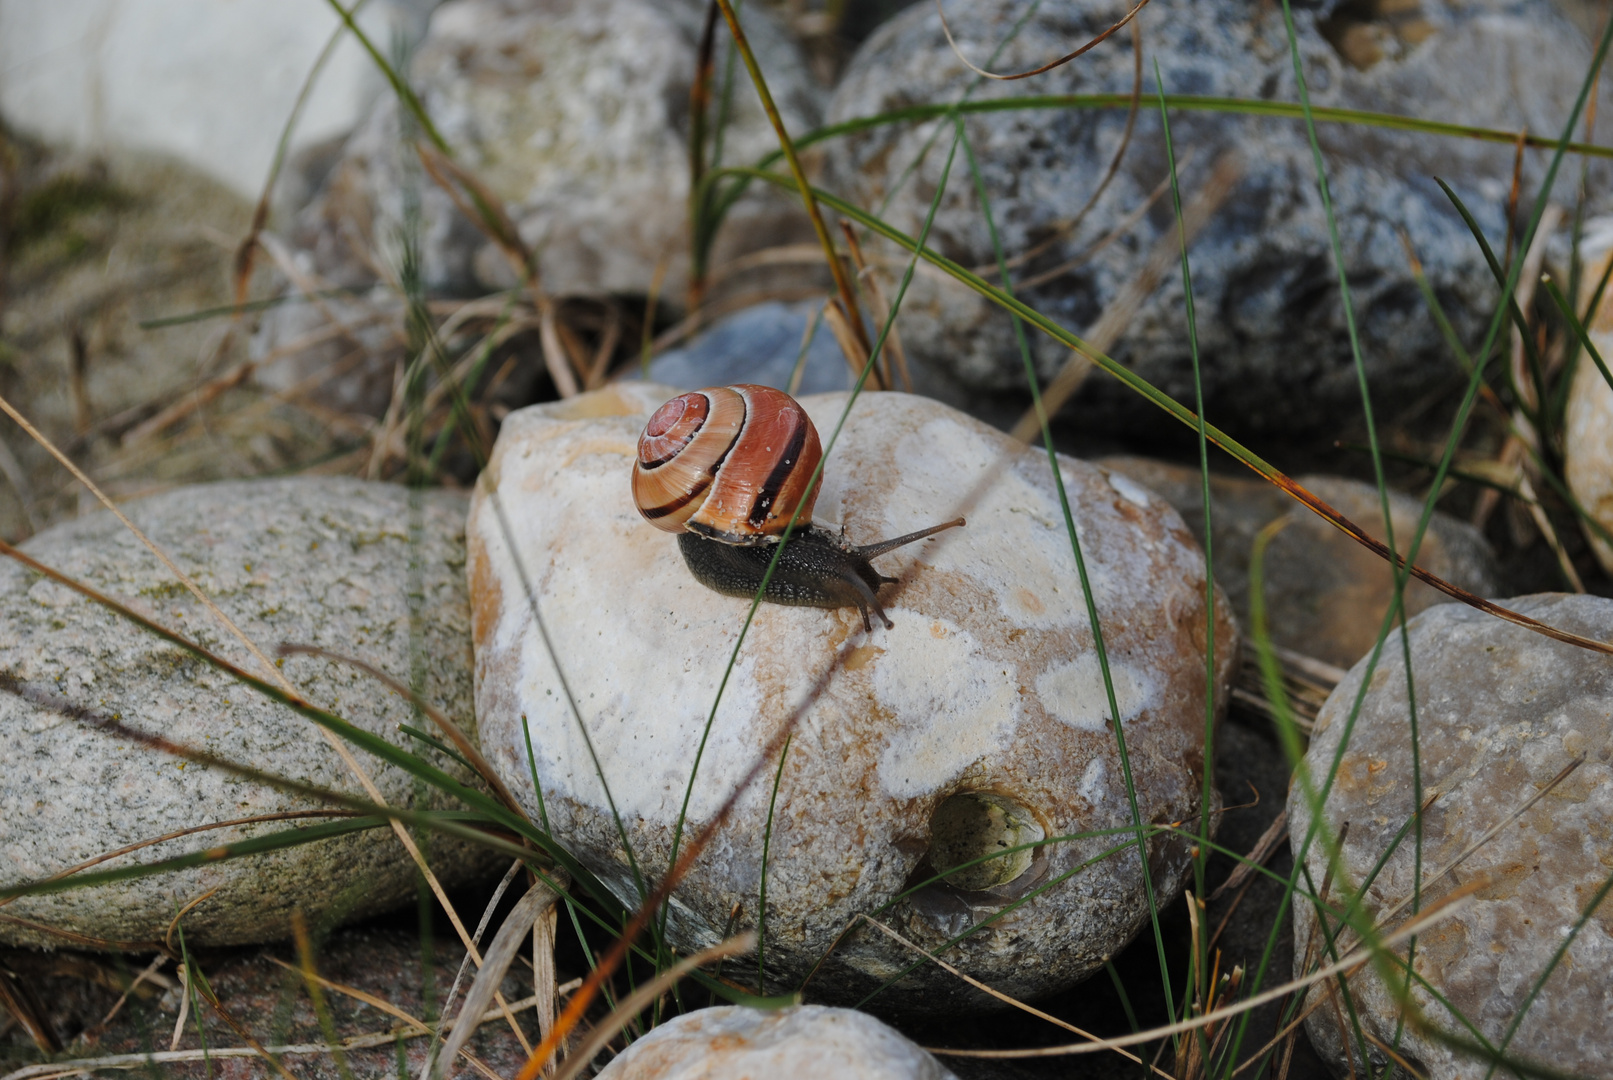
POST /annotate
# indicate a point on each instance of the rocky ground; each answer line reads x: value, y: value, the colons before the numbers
x: 398, y: 331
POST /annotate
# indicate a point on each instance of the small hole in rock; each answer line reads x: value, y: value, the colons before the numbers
x: 973, y: 824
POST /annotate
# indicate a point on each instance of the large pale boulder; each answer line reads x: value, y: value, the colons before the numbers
x: 1501, y: 711
x: 977, y: 724
x: 330, y: 562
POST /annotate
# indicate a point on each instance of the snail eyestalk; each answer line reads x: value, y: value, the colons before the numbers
x: 874, y: 551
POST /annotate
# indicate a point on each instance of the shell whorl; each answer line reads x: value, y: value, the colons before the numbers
x: 729, y: 463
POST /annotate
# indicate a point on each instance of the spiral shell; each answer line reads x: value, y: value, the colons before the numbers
x: 729, y: 463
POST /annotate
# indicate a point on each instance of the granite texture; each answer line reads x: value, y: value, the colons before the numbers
x: 1501, y: 711
x: 978, y: 721
x: 328, y: 562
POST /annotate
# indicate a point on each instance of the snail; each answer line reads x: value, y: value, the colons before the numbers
x: 725, y: 468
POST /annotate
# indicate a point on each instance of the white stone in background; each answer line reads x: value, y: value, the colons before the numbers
x: 316, y: 561
x: 1588, y: 421
x: 733, y: 1043
x: 978, y: 719
x: 1589, y: 444
x: 575, y: 113
x: 1501, y: 711
x: 209, y: 81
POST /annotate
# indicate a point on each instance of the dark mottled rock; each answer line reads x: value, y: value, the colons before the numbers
x: 329, y: 562
x: 1270, y: 322
x: 1325, y: 594
x: 1501, y: 711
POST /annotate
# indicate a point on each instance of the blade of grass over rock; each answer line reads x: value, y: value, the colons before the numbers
x: 1551, y: 966
x: 1398, y: 579
x: 177, y: 834
x: 1186, y: 416
x: 1051, y: 64
x: 1547, y: 473
x: 1507, y: 284
x: 472, y: 757
x: 257, y: 845
x: 400, y: 86
x: 260, y: 213
x: 848, y: 297
x: 1583, y: 338
x: 248, y: 307
x: 761, y: 896
x: 1178, y: 102
x: 1207, y: 793
x: 1080, y: 566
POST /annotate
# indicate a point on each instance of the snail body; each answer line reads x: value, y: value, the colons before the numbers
x: 726, y: 468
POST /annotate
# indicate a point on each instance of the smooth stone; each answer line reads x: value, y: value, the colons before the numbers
x: 327, y: 562
x: 1500, y: 712
x: 1325, y: 594
x: 759, y: 344
x: 575, y: 114
x: 1270, y: 322
x: 734, y: 1043
x: 978, y: 721
x: 210, y: 84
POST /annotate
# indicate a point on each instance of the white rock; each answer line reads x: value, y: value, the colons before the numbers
x: 979, y: 720
x: 575, y: 114
x: 1501, y: 711
x: 732, y: 1043
x: 1589, y: 444
x: 211, y: 82
x: 321, y: 561
x: 1588, y: 420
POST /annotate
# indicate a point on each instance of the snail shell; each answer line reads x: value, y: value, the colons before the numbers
x: 729, y: 463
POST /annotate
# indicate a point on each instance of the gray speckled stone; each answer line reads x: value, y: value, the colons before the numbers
x: 575, y: 113
x: 1270, y: 323
x: 1501, y: 711
x: 732, y: 1043
x: 978, y: 721
x: 321, y: 561
x: 1325, y: 593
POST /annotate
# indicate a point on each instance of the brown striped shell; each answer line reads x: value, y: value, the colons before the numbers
x: 729, y: 463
